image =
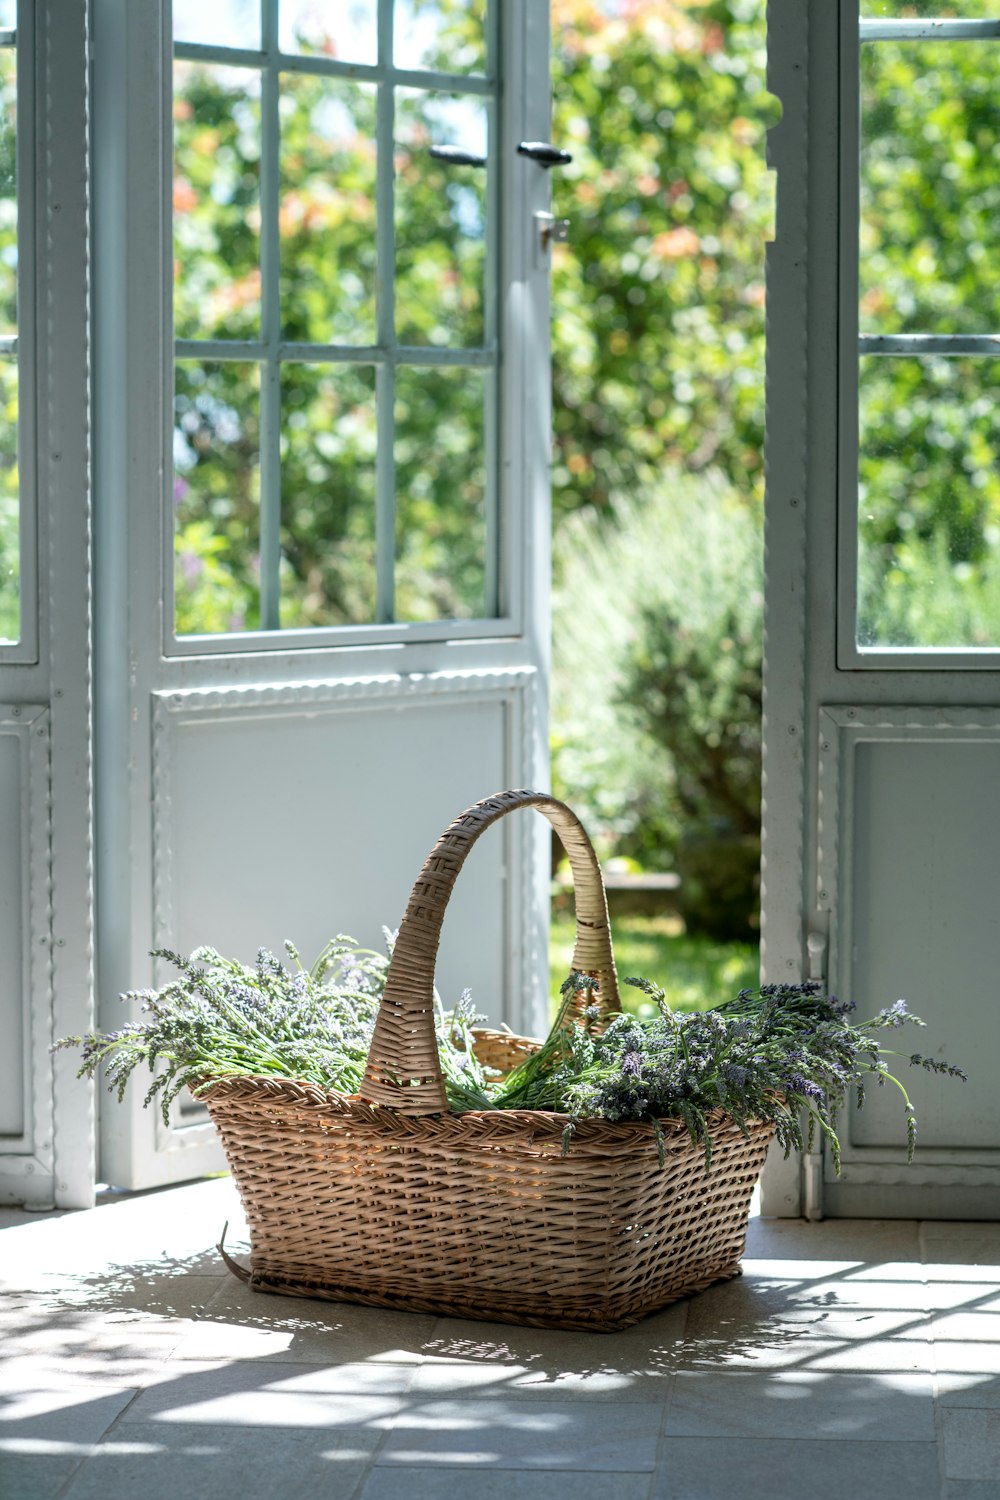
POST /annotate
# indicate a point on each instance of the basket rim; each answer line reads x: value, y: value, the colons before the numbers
x: 303, y: 1093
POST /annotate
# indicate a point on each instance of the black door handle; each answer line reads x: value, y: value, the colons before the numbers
x: 544, y: 153
x: 457, y: 156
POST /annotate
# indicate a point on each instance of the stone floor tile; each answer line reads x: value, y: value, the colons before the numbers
x: 91, y: 1337
x: 967, y: 1358
x: 649, y: 1347
x: 957, y: 1272
x: 446, y: 1483
x: 865, y: 1240
x: 591, y: 1437
x: 36, y: 1476
x: 439, y: 1378
x: 109, y: 1366
x: 872, y: 1357
x: 971, y: 1439
x: 779, y: 1469
x: 219, y: 1340
x: 801, y: 1404
x: 240, y: 1323
x: 65, y: 1412
x: 783, y: 1334
x: 159, y: 1461
x: 793, y: 1292
x: 966, y: 1325
x: 761, y: 1318
x: 969, y: 1489
x: 17, y: 1218
x: 120, y: 1295
x: 957, y: 1389
x: 782, y: 1268
x: 260, y: 1394
x: 175, y: 1228
x: 973, y: 1296
x: 966, y: 1243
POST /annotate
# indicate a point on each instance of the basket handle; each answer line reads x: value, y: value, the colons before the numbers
x: 403, y: 1069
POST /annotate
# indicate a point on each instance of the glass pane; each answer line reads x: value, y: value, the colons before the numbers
x: 347, y: 30
x: 8, y: 190
x: 930, y: 191
x: 328, y: 495
x: 8, y: 14
x: 327, y: 217
x: 10, y: 558
x: 901, y: 10
x: 219, y: 23
x: 929, y: 502
x: 446, y: 35
x: 441, y: 494
x: 216, y: 201
x: 216, y: 497
x: 440, y: 221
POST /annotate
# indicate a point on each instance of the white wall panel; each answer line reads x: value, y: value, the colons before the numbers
x: 309, y: 813
x: 925, y: 926
x: 26, y: 1093
x: 12, y: 955
x: 908, y: 887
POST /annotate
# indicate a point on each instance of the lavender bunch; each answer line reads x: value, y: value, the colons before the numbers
x: 776, y: 1054
x: 221, y: 1018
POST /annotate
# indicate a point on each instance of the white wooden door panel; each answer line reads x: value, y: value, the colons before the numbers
x: 288, y: 782
x: 881, y: 831
x: 46, y: 893
x: 269, y: 823
x: 908, y: 871
x: 13, y: 956
x: 25, y: 924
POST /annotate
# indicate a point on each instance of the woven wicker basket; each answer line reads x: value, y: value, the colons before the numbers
x: 385, y: 1198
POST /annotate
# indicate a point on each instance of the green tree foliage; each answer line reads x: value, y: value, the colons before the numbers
x: 658, y: 328
x: 327, y: 295
x: 929, y: 481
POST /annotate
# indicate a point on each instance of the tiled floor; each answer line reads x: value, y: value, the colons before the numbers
x: 852, y: 1358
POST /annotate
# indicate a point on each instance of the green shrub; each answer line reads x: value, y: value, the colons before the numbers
x: 657, y: 689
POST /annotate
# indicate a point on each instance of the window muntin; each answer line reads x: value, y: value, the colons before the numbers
x: 927, y: 544
x: 335, y: 397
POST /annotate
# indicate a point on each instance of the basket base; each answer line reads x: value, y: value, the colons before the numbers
x: 599, y: 1321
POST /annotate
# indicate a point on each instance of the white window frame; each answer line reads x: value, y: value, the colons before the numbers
x: 855, y: 32
x: 25, y: 650
x: 505, y: 458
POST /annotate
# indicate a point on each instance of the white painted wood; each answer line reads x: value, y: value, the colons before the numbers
x: 909, y: 871
x: 48, y: 989
x: 64, y: 483
x: 786, y: 466
x: 25, y: 917
x: 293, y: 786
x: 328, y: 851
x: 14, y: 1071
x: 26, y: 648
x: 887, y: 871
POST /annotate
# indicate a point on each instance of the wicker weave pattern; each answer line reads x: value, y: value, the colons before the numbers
x: 390, y: 1200
x: 403, y: 1068
x: 481, y: 1215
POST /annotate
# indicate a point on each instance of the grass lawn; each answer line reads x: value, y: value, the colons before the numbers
x: 695, y: 971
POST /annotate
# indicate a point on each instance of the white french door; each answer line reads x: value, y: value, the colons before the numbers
x: 883, y: 657
x: 46, y: 906
x: 321, y: 488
